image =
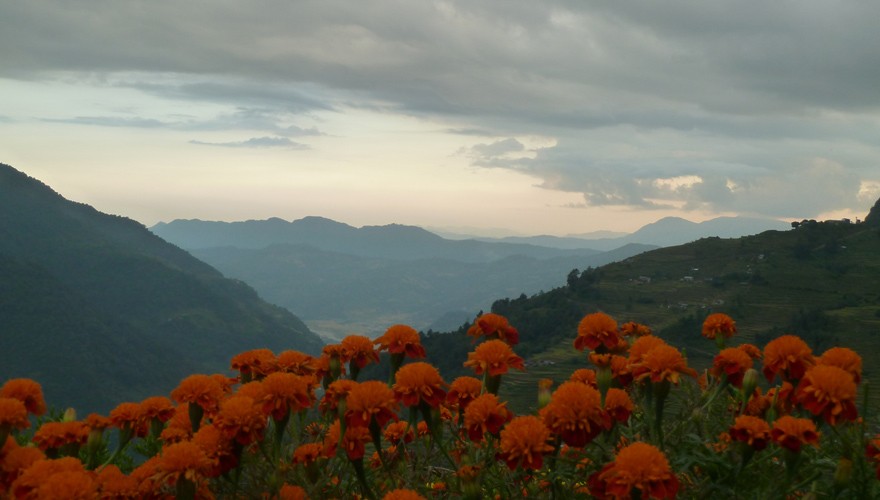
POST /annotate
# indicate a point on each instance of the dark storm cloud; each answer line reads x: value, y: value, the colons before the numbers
x: 742, y: 94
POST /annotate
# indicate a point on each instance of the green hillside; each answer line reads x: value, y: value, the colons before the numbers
x: 99, y: 310
x: 820, y: 280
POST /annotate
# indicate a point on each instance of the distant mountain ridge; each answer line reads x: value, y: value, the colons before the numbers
x: 100, y: 310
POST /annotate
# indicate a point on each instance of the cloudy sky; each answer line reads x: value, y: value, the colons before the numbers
x: 548, y: 117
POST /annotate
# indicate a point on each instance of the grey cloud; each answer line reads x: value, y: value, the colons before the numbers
x: 256, y: 142
x: 111, y: 121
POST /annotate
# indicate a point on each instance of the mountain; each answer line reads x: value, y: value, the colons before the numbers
x: 820, y: 280
x: 345, y: 292
x: 393, y: 241
x: 99, y: 310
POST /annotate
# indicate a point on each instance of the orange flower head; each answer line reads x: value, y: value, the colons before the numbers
x: 584, y: 376
x: 354, y: 442
x: 462, y: 391
x: 13, y: 414
x: 788, y: 356
x: 752, y: 350
x: 292, y: 492
x: 127, y: 416
x: 417, y: 382
x: 402, y: 494
x: 872, y: 451
x: 751, y: 430
x: 485, y: 415
x: 575, y: 414
x: 28, y: 392
x: 633, y: 329
x: 296, y: 362
x: 71, y: 485
x: 114, y: 484
x: 240, y: 420
x: 639, y: 466
x: 621, y: 370
x: 494, y: 326
x: 618, y: 404
x: 792, y: 433
x: 158, y: 408
x: 218, y: 449
x: 401, y: 339
x: 254, y: 364
x: 828, y: 391
x: 54, y: 435
x: 358, y: 349
x: 15, y: 460
x: 495, y: 357
x: 597, y: 329
x: 336, y: 392
x: 718, y: 324
x: 284, y: 393
x: 524, y: 441
x: 370, y: 400
x: 202, y: 390
x: 29, y: 480
x: 179, y: 427
x: 184, y: 460
x: 641, y: 346
x: 307, y: 453
x: 398, y: 431
x: 732, y: 362
x: 663, y: 362
x: 845, y: 358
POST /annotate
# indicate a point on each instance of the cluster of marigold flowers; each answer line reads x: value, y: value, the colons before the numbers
x: 303, y: 413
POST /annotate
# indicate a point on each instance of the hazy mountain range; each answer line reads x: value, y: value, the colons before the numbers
x: 339, y: 278
x: 100, y: 310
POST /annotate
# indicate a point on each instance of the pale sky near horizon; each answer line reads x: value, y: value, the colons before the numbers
x: 555, y: 117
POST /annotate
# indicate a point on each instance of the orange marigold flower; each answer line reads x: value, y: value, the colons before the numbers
x: 792, y: 433
x: 15, y: 460
x: 336, y: 392
x: 663, y: 362
x: 27, y: 391
x: 70, y: 485
x: 28, y: 482
x: 575, y: 414
x: 524, y: 441
x: 205, y: 391
x: 240, y: 420
x: 127, y: 416
x: 633, y: 329
x: 752, y: 350
x: 494, y: 326
x: 307, y: 453
x: 283, y: 393
x: 584, y: 376
x: 463, y: 390
x: 156, y: 408
x: 597, y: 329
x: 485, y: 414
x: 621, y: 370
x: 398, y: 431
x: 97, y: 422
x: 354, y: 441
x: 54, y: 435
x: 642, y: 346
x: 184, y: 460
x: 618, y: 404
x: 718, y: 324
x: 13, y: 415
x: 179, y: 427
x: 417, y: 382
x: 254, y: 364
x: 845, y: 358
x: 400, y: 339
x: 638, y: 466
x: 751, y: 430
x: 733, y: 363
x: 495, y: 357
x: 112, y: 483
x: 296, y: 362
x: 292, y: 492
x: 218, y: 449
x: 402, y: 494
x: 788, y: 356
x: 359, y: 350
x: 828, y: 391
x: 370, y: 400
